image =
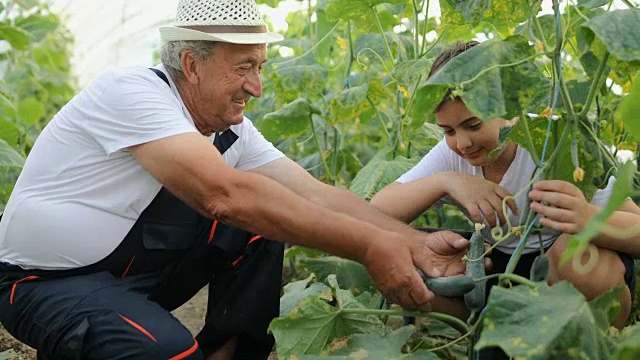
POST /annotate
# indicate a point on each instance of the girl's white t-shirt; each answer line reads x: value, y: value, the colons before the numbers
x: 441, y: 158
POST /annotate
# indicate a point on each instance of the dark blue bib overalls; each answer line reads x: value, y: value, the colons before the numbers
x: 119, y: 308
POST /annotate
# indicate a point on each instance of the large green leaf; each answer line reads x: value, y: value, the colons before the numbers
x: 314, y: 324
x: 621, y: 190
x: 348, y: 104
x: 356, y: 10
x: 407, y: 72
x: 27, y: 4
x: 296, y: 291
x: 496, y: 78
x: 629, y: 109
x: 378, y: 173
x: 374, y: 347
x: 16, y: 37
x: 349, y: 274
x: 592, y: 3
x: 292, y: 81
x: 543, y: 323
x: 628, y: 344
x: 9, y: 156
x: 9, y: 132
x: 30, y: 110
x: 618, y: 30
x: 290, y: 120
x: 38, y: 26
x: 498, y: 12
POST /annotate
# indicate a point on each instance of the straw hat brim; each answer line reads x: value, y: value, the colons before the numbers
x: 175, y: 33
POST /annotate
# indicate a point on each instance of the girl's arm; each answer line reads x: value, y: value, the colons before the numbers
x: 407, y: 201
x: 565, y: 209
x: 478, y: 196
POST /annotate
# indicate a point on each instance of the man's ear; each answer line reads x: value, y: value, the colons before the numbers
x: 189, y: 68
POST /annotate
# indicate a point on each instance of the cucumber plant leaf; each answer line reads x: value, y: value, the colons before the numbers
x: 348, y: 273
x: 290, y: 120
x: 629, y: 344
x: 315, y: 323
x: 380, y: 172
x: 543, y: 323
x: 373, y: 347
x: 618, y: 31
x: 496, y: 78
x: 629, y: 109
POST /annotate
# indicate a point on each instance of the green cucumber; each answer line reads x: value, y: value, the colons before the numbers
x: 539, y: 269
x: 449, y: 286
x: 475, y: 298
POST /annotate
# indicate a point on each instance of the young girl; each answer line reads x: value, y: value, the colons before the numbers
x: 458, y: 170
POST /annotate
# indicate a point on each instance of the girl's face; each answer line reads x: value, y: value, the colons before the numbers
x: 467, y: 135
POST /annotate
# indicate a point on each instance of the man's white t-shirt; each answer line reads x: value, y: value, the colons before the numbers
x: 441, y: 158
x: 81, y: 190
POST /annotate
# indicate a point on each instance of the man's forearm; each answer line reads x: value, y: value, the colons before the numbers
x: 261, y: 205
x: 347, y: 202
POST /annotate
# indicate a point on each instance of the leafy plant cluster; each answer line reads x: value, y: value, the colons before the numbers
x: 347, y: 96
x: 35, y: 80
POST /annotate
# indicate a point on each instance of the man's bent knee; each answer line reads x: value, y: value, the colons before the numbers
x: 116, y: 336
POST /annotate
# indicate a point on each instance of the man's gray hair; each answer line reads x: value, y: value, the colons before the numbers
x: 171, y: 52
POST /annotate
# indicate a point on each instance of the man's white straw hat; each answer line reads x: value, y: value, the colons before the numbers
x: 232, y: 21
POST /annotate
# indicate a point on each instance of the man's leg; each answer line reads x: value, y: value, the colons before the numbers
x: 244, y: 295
x: 95, y: 316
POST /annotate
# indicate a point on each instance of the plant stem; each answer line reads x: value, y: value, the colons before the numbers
x: 413, y: 97
x: 336, y: 151
x: 384, y: 37
x: 350, y: 44
x: 416, y: 29
x: 384, y: 126
x: 518, y: 279
x: 542, y: 39
x: 595, y: 85
x: 629, y: 4
x: 311, y: 49
x: 534, y: 154
x: 454, y: 322
x: 320, y: 151
x: 424, y: 34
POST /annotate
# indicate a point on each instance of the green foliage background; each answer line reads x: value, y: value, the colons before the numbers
x: 35, y: 80
x: 346, y: 96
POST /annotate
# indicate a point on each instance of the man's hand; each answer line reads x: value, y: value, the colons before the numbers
x: 562, y: 205
x: 392, y: 265
x: 479, y: 197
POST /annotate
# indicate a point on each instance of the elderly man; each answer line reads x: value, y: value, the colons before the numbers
x: 134, y: 195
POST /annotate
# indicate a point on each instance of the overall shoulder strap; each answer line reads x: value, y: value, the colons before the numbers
x: 161, y: 75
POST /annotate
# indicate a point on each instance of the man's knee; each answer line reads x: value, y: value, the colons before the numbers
x: 128, y: 339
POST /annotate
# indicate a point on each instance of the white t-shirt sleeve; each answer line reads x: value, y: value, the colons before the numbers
x: 437, y: 160
x: 601, y: 196
x: 132, y: 109
x: 256, y: 150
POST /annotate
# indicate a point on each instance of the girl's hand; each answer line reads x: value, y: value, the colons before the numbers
x: 479, y: 197
x: 562, y: 205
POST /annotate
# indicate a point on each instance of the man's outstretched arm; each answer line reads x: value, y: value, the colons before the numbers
x: 292, y: 176
x: 194, y: 171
